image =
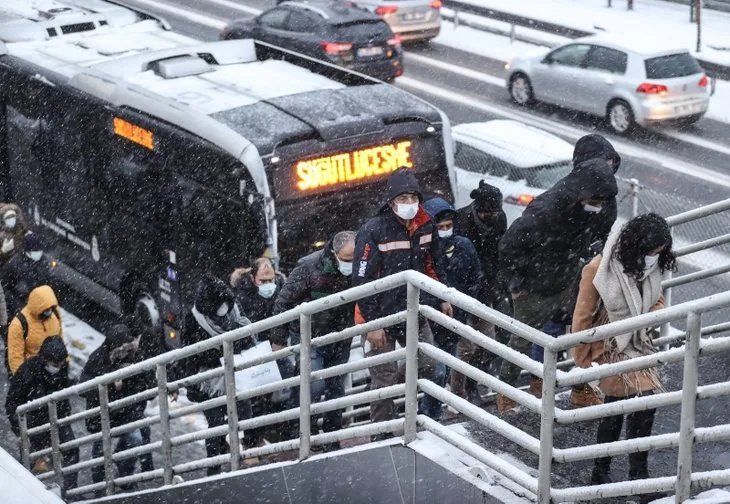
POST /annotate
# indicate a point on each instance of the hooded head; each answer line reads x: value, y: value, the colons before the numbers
x: 595, y: 181
x: 41, y: 299
x: 595, y: 146
x: 53, y: 353
x: 401, y: 181
x: 213, y: 293
x: 439, y: 209
x: 487, y: 198
x: 122, y: 344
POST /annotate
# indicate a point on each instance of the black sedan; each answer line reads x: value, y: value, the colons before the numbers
x: 336, y: 32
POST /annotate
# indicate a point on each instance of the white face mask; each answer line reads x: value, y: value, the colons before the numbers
x: 267, y: 290
x: 406, y: 211
x: 52, y: 369
x: 591, y: 209
x: 35, y: 255
x: 222, y: 310
x: 651, y: 260
x: 10, y: 222
x: 447, y: 233
x: 344, y: 267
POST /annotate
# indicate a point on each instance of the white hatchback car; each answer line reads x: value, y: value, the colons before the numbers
x: 522, y: 161
x: 628, y: 82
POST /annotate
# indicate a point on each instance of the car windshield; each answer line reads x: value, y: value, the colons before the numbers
x: 544, y: 177
x: 673, y: 65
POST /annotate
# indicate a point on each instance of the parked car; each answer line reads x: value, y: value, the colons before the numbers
x: 335, y: 32
x: 522, y: 161
x: 413, y: 20
x: 628, y: 82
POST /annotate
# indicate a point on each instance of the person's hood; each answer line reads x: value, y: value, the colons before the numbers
x: 212, y: 292
x: 594, y: 146
x: 40, y: 299
x: 400, y: 181
x: 19, y: 218
x: 117, y: 336
x: 53, y: 350
x: 435, y: 206
x: 594, y: 181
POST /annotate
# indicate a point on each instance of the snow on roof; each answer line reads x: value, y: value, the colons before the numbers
x: 517, y: 143
x: 642, y: 44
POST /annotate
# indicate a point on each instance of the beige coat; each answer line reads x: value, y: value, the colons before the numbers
x: 586, y: 316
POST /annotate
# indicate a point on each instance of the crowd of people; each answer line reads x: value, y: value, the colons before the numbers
x: 561, y: 266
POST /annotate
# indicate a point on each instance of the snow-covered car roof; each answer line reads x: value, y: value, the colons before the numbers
x: 637, y: 43
x: 520, y: 145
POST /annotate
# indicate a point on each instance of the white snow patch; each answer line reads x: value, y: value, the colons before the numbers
x: 714, y: 496
x: 81, y: 340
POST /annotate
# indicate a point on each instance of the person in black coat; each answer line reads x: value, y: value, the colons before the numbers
x: 541, y: 253
x: 24, y: 272
x: 320, y: 274
x: 119, y: 350
x: 256, y: 290
x: 215, y: 312
x: 37, y: 377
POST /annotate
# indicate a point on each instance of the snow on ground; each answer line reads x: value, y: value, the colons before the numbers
x: 714, y: 496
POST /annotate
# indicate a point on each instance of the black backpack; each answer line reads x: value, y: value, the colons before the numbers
x: 24, y: 322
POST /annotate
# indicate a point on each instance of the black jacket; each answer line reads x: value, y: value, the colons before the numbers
x: 98, y: 365
x: 31, y: 382
x: 541, y: 251
x: 20, y: 275
x: 316, y: 276
x: 384, y: 246
x: 255, y: 306
x: 588, y: 148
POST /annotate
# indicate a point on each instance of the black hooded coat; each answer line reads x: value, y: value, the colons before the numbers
x: 541, y: 251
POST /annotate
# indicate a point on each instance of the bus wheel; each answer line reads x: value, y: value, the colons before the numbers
x: 147, y: 313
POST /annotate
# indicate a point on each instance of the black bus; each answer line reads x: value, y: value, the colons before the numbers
x: 148, y: 157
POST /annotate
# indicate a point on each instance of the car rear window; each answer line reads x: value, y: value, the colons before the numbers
x: 362, y: 31
x: 673, y: 65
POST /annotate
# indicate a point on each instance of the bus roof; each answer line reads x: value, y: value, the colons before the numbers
x: 130, y: 59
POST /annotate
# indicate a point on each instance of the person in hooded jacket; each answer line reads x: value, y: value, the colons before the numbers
x: 214, y: 312
x: 13, y: 229
x: 461, y: 269
x: 119, y: 349
x: 625, y: 281
x: 39, y: 319
x: 256, y: 290
x: 318, y: 275
x: 25, y: 271
x: 38, y: 377
x: 401, y: 236
x: 540, y: 255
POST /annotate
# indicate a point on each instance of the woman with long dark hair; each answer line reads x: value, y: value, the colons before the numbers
x: 623, y: 282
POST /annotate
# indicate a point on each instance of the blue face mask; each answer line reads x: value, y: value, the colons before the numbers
x: 267, y: 290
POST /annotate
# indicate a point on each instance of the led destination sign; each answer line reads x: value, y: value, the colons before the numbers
x: 136, y: 134
x: 352, y: 166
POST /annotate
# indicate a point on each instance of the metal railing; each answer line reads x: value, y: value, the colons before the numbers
x: 551, y: 373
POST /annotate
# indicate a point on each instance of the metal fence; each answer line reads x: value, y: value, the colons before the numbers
x: 696, y: 347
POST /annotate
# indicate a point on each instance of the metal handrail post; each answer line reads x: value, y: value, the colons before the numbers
x: 305, y: 385
x: 165, y: 434
x: 231, y: 409
x: 634, y: 191
x: 665, y: 327
x: 106, y: 439
x: 55, y: 442
x: 547, y: 422
x: 689, y: 400
x: 411, y: 405
x: 24, y: 440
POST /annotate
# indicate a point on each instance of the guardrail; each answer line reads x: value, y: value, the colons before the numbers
x: 553, y: 377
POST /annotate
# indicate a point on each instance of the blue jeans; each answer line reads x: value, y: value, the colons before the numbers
x: 125, y: 467
x: 553, y: 329
x: 429, y: 405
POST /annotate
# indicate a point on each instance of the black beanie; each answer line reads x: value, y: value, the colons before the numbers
x: 118, y: 335
x: 33, y: 242
x: 487, y: 198
x: 212, y: 292
x: 53, y: 350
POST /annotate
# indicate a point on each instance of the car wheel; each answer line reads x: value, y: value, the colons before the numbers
x: 520, y: 89
x: 620, y: 117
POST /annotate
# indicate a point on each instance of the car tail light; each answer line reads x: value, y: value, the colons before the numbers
x: 335, y: 48
x: 520, y: 199
x: 649, y: 88
x: 437, y: 4
x: 395, y: 41
x: 386, y: 9
x: 704, y: 81
x: 170, y: 317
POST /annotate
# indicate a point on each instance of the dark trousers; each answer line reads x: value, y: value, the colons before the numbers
x: 68, y: 457
x: 217, y: 445
x: 125, y: 467
x: 638, y: 424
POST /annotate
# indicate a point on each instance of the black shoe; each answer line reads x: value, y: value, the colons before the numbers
x: 601, y: 476
x: 651, y: 497
x: 212, y: 471
x: 330, y: 447
x: 381, y: 437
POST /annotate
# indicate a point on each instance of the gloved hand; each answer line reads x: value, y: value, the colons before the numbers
x: 8, y: 245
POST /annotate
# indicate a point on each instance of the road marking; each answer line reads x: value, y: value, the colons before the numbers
x: 466, y: 72
x: 190, y: 15
x: 573, y: 133
x: 236, y: 6
x: 700, y: 142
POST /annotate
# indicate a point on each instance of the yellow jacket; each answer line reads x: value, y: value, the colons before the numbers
x: 21, y: 349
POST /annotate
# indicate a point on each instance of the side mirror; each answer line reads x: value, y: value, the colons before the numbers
x: 548, y: 60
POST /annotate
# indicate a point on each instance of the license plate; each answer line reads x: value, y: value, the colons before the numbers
x: 414, y: 16
x: 370, y: 51
x: 687, y: 109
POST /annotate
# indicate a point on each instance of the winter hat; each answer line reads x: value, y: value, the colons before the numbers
x: 53, y: 350
x: 439, y: 209
x: 402, y: 181
x: 212, y: 292
x: 10, y: 213
x: 595, y: 146
x: 33, y: 241
x: 118, y: 335
x: 487, y: 198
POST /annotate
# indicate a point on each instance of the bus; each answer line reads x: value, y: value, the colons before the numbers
x: 147, y: 157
